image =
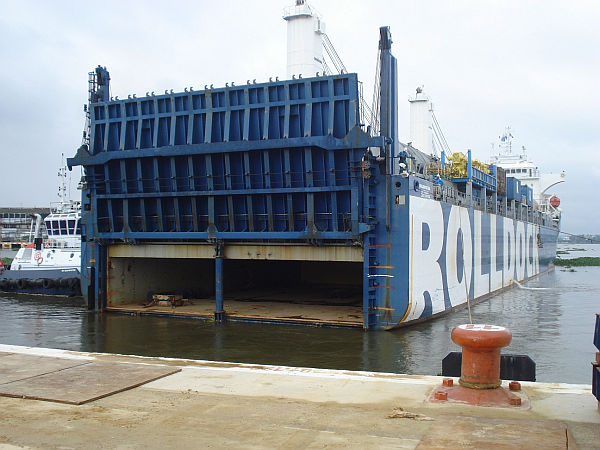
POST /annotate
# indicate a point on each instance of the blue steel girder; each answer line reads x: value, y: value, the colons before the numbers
x: 168, y: 209
x: 228, y: 235
x: 282, y: 109
x: 172, y: 185
x: 275, y: 161
x: 356, y: 139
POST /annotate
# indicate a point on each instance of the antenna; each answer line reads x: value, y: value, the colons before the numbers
x: 62, y: 187
x: 506, y: 142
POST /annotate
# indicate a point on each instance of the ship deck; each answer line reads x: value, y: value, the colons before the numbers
x: 306, y: 310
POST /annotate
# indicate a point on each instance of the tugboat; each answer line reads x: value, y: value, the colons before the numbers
x: 50, y: 266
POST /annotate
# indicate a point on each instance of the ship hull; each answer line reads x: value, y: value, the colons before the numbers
x: 278, y: 205
x: 42, y: 281
x: 442, y: 256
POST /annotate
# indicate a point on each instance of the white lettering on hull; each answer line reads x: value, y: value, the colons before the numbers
x: 427, y: 246
x: 481, y: 281
x: 442, y: 278
x: 508, y: 274
x: 459, y: 278
x: 495, y: 275
x: 520, y: 251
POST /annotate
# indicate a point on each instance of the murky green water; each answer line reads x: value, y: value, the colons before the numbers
x: 554, y: 327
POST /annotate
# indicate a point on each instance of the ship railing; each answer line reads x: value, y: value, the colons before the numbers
x: 50, y: 243
x: 451, y: 195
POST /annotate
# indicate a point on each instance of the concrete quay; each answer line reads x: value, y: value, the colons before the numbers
x: 105, y: 401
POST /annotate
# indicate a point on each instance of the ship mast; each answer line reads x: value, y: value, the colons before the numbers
x: 506, y: 142
x: 62, y: 186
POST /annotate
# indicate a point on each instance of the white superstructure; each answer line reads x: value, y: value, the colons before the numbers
x: 519, y: 166
x: 304, y: 41
x: 62, y: 249
x: 421, y: 122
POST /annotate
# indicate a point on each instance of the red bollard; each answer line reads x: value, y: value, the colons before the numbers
x: 481, y: 346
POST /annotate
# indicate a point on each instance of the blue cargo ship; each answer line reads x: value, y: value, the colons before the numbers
x: 275, y: 202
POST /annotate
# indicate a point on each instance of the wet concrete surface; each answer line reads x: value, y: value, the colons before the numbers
x: 71, y: 381
x: 217, y: 405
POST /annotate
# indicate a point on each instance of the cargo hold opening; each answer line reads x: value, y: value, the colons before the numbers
x: 133, y: 281
x: 254, y: 288
x: 313, y: 291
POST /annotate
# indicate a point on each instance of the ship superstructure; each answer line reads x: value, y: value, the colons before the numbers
x: 51, y: 265
x: 519, y: 166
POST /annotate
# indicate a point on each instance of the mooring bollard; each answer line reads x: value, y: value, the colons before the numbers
x: 481, y: 344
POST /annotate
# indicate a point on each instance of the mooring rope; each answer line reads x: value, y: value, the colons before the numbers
x: 530, y: 288
x: 463, y: 261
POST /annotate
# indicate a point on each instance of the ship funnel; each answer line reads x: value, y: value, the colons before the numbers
x: 421, y: 122
x: 38, y: 226
x: 304, y: 42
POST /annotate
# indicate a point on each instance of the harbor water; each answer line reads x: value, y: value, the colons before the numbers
x: 551, y: 318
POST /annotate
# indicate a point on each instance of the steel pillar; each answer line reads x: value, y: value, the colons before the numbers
x: 219, y: 311
x: 484, y: 199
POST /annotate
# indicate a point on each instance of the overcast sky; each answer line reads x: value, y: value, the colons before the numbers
x: 533, y: 65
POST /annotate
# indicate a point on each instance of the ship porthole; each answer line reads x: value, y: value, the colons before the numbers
x: 416, y: 185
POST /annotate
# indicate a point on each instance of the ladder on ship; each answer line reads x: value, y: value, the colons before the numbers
x: 370, y: 281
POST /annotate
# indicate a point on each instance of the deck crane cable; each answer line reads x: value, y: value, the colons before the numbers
x: 335, y: 58
x: 462, y: 255
x: 438, y: 130
x: 366, y: 112
x: 376, y: 97
x: 439, y: 143
x: 439, y: 135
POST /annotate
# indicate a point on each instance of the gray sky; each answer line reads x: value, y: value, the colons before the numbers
x: 533, y: 65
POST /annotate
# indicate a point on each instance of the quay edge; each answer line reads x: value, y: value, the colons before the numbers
x: 250, y: 404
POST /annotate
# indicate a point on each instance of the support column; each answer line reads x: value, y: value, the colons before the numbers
x: 520, y: 211
x: 470, y: 194
x: 219, y: 310
x: 495, y: 202
x: 100, y: 276
x: 484, y: 199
